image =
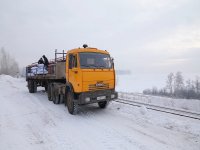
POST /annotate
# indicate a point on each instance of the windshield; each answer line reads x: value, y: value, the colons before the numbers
x: 94, y: 60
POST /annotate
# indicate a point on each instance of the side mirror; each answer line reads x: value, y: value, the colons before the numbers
x: 112, y: 61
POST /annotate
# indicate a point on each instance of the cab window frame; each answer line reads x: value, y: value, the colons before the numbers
x: 73, y: 61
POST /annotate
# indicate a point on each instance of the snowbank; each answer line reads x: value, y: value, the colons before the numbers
x: 186, y: 104
x: 30, y: 121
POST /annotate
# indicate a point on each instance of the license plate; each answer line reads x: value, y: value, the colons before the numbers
x: 101, y: 98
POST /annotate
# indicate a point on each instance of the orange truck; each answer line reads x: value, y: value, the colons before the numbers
x: 80, y: 76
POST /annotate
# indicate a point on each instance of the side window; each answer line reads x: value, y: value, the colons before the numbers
x: 72, y: 61
x: 75, y: 61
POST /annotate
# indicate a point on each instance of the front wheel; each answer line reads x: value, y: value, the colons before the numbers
x: 103, y: 104
x: 71, y: 105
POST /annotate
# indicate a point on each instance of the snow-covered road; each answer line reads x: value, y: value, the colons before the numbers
x: 30, y: 121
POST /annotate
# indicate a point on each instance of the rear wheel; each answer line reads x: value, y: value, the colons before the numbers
x: 61, y: 98
x: 49, y: 92
x: 71, y: 105
x: 32, y: 86
x: 46, y: 87
x: 56, y: 98
x: 103, y: 104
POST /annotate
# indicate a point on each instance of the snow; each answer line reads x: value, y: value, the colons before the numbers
x: 184, y: 104
x: 30, y: 121
x: 143, y: 110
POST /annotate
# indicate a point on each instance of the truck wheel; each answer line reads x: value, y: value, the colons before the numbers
x: 46, y: 87
x: 56, y: 98
x: 72, y: 107
x: 61, y: 98
x: 34, y: 86
x: 31, y: 86
x: 49, y: 92
x: 103, y: 104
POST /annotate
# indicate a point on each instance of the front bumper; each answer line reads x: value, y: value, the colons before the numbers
x: 93, y: 97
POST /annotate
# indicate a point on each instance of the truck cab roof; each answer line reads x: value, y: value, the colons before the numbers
x: 88, y: 49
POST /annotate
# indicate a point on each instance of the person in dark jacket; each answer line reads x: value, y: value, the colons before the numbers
x: 40, y: 61
x: 46, y: 62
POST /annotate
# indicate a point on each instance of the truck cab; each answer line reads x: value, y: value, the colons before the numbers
x: 90, y: 76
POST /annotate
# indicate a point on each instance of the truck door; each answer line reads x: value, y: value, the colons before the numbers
x: 73, y: 72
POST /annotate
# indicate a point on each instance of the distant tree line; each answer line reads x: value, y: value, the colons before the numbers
x: 8, y: 65
x: 177, y: 88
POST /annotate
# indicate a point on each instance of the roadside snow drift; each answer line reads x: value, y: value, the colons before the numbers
x: 185, y: 104
x: 30, y: 122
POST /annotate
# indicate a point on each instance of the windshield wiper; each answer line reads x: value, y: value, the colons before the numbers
x: 94, y: 66
x: 102, y: 67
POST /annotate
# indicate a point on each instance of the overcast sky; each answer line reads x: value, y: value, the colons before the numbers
x: 144, y: 36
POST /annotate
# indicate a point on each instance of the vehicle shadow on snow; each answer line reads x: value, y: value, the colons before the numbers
x: 90, y: 109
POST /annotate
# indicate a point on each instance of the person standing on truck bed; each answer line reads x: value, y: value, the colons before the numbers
x: 46, y: 62
x: 40, y: 61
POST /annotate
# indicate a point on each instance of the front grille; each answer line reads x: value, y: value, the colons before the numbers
x: 93, y: 87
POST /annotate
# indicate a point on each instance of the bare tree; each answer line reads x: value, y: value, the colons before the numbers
x: 197, y: 85
x: 13, y: 68
x: 154, y: 90
x: 189, y: 91
x: 175, y: 86
x: 178, y: 82
x: 147, y: 91
x: 8, y: 65
x: 4, y: 61
x: 170, y: 82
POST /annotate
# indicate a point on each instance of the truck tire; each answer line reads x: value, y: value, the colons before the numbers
x: 56, y: 98
x: 49, y: 92
x: 46, y: 87
x: 72, y: 107
x: 30, y: 86
x: 62, y: 98
x: 34, y: 86
x: 103, y: 104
